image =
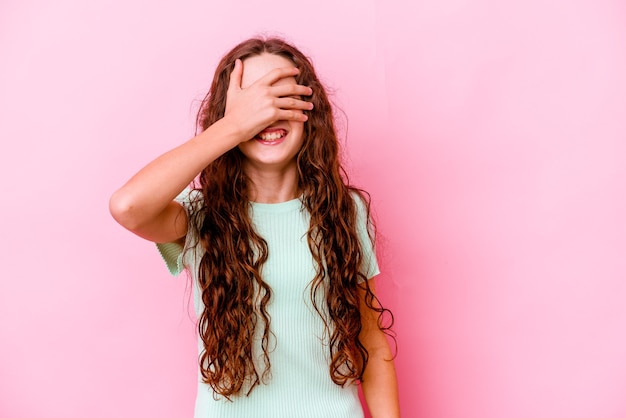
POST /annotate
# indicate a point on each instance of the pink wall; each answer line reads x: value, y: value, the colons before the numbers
x: 491, y: 135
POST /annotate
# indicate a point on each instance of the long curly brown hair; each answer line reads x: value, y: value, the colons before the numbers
x: 232, y: 289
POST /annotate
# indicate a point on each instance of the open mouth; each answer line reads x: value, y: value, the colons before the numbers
x: 271, y: 136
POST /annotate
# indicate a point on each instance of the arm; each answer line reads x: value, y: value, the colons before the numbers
x: 145, y: 206
x: 380, y: 387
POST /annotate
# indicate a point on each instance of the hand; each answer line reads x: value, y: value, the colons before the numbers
x: 259, y: 105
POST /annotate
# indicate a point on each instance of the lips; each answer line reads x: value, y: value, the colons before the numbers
x: 271, y: 136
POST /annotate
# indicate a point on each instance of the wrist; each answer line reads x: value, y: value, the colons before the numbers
x: 221, y: 136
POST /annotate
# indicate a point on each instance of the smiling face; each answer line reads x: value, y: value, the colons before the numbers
x: 277, y: 145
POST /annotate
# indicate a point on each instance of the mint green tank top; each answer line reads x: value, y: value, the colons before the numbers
x: 299, y: 385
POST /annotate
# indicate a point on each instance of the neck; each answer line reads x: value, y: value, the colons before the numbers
x: 272, y: 185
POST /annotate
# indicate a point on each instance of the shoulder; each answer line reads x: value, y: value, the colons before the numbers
x: 191, y: 199
x: 362, y: 201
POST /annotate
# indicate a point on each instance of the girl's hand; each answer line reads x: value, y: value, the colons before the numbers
x: 257, y: 106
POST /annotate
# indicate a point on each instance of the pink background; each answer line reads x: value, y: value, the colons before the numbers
x: 491, y: 135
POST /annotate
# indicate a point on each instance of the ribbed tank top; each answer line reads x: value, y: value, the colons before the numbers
x: 299, y: 385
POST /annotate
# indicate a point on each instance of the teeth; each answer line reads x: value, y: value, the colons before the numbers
x: 271, y: 136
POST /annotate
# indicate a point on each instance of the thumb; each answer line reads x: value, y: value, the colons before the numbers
x: 235, y: 75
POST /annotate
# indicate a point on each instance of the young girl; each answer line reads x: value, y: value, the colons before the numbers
x: 277, y: 244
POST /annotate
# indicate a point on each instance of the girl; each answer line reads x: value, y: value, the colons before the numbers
x: 277, y: 244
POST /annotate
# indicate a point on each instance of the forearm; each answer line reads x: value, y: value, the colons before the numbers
x: 379, y: 384
x: 147, y: 193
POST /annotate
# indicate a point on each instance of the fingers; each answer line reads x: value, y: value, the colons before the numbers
x: 263, y: 103
x: 235, y: 76
x: 292, y: 103
x: 278, y: 74
x: 294, y: 115
x: 291, y: 90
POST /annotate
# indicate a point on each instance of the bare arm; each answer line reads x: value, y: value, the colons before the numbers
x: 145, y: 204
x: 380, y: 386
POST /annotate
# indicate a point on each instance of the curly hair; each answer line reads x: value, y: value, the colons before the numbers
x: 232, y: 289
